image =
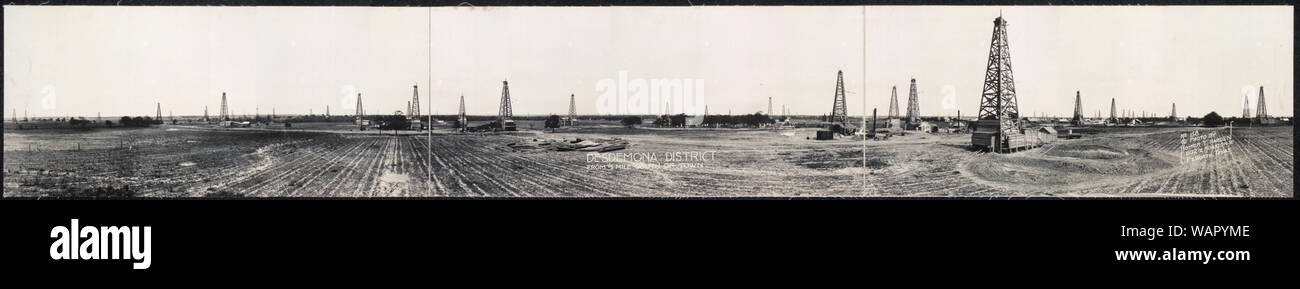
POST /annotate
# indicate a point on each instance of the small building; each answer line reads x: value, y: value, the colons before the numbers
x: 696, y: 121
x: 1047, y: 130
x: 923, y: 126
x: 416, y: 124
x: 825, y: 135
x: 230, y: 123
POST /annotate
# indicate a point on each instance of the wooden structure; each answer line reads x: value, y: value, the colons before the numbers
x: 505, y: 119
x: 998, y: 127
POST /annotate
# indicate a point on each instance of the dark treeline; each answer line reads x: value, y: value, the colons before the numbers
x: 137, y: 121
x: 318, y: 118
x: 744, y: 120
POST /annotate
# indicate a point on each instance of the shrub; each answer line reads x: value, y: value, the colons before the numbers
x: 1212, y: 119
x: 553, y: 122
x: 631, y: 121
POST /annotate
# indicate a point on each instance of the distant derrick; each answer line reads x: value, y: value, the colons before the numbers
x: 360, y: 110
x: 1245, y: 106
x: 225, y: 113
x: 893, y: 103
x: 1078, y: 109
x: 573, y: 112
x: 1261, y: 112
x: 461, y: 121
x: 913, y: 105
x: 415, y: 101
x: 1173, y: 111
x: 158, y: 117
x: 840, y: 112
x: 1112, y: 111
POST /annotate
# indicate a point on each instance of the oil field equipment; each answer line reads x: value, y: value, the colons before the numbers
x: 998, y: 127
x: 505, y: 120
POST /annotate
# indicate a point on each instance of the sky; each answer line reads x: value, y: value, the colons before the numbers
x: 1146, y: 57
x: 79, y: 61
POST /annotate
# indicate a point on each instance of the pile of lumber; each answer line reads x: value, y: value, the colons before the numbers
x: 577, y: 144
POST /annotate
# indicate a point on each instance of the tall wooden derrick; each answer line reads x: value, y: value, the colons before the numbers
x: 839, y: 113
x: 893, y: 103
x: 461, y: 121
x: 505, y: 118
x: 1245, y: 106
x: 1078, y: 110
x: 573, y: 112
x: 913, y: 105
x: 360, y: 110
x: 1261, y: 112
x: 1173, y: 111
x: 225, y: 113
x: 158, y: 117
x: 1112, y: 118
x: 415, y: 102
x: 998, y: 127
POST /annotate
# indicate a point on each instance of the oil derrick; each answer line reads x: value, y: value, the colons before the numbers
x: 415, y: 101
x: 1261, y: 112
x: 1173, y: 111
x: 998, y: 124
x: 360, y: 110
x: 1112, y: 111
x: 224, y: 113
x: 205, y: 114
x: 1078, y: 109
x: 14, y: 112
x: 769, y: 106
x: 913, y: 105
x: 840, y: 112
x: 893, y: 103
x: 505, y: 119
x: 158, y: 117
x: 327, y: 111
x: 462, y: 122
x: 573, y: 111
x: 408, y: 110
x: 1245, y: 106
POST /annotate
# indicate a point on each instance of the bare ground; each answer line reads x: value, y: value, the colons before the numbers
x: 195, y: 162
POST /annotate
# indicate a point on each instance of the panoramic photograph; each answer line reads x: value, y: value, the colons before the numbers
x: 596, y: 102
